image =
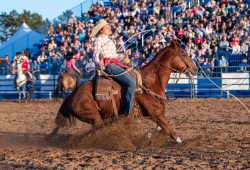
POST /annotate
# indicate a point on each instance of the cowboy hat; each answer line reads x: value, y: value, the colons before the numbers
x: 98, y: 27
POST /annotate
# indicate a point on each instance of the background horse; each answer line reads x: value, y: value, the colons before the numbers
x: 81, y: 103
x: 25, y: 88
x: 66, y: 82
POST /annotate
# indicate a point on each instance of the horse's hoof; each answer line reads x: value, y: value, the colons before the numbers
x: 178, y: 140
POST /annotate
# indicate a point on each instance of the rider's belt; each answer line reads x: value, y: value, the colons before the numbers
x: 108, y: 61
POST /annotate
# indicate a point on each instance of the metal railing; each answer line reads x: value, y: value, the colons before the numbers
x: 218, y: 84
x: 44, y: 86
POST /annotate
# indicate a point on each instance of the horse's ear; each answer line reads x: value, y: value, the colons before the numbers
x: 175, y: 43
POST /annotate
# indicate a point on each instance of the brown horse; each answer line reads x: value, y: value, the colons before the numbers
x: 66, y: 82
x: 82, y: 105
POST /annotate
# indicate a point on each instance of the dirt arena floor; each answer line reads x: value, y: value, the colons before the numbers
x: 216, y: 135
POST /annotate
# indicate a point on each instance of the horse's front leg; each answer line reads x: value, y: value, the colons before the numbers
x: 19, y: 95
x: 156, y: 111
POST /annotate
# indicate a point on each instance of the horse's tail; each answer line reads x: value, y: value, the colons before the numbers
x: 58, y: 87
x: 64, y: 114
x: 62, y: 117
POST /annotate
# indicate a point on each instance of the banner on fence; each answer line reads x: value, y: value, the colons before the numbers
x: 235, y: 81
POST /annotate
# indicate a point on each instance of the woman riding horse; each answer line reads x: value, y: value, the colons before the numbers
x: 70, y: 79
x: 82, y: 104
x: 70, y: 65
x: 23, y: 79
x: 24, y: 62
x: 106, y: 56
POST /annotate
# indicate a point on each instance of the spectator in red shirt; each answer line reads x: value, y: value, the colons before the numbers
x: 199, y: 40
x: 180, y: 33
x: 235, y: 40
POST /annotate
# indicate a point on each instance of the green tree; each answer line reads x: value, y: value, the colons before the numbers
x: 10, y: 22
x: 64, y: 17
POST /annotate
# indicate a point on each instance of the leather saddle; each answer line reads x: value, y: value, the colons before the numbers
x: 104, y: 86
x: 106, y: 89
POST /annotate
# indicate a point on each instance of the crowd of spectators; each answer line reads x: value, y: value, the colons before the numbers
x: 216, y: 33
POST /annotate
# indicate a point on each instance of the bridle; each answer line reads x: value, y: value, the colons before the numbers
x: 159, y: 66
x: 185, y: 70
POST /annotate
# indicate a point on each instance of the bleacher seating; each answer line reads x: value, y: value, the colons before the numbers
x: 235, y: 60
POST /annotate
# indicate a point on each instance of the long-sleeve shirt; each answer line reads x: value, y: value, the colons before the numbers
x: 105, y: 50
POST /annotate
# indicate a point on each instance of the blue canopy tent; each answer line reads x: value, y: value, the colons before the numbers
x: 24, y: 38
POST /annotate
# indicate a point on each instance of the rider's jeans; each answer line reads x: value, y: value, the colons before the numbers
x: 127, y: 83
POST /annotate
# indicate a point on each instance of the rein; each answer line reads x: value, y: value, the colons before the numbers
x: 157, y: 96
x: 181, y: 72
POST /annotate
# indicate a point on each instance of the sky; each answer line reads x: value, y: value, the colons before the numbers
x: 47, y: 8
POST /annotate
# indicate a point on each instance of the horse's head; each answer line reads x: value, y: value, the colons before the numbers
x: 180, y: 61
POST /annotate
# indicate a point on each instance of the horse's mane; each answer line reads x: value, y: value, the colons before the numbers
x: 173, y: 45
